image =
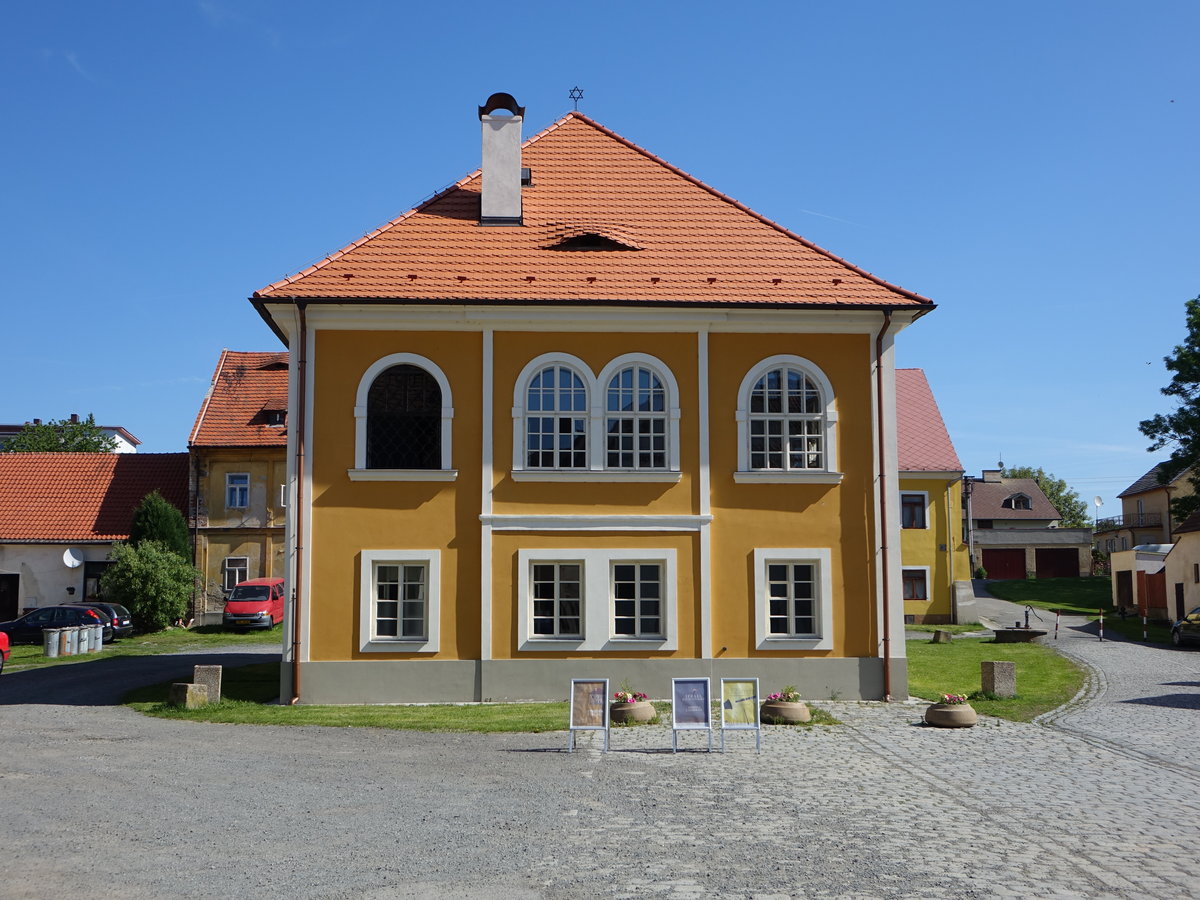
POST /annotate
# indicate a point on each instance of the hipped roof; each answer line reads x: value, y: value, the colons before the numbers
x: 672, y: 240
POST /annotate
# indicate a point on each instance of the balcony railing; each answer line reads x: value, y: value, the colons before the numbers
x: 1135, y: 520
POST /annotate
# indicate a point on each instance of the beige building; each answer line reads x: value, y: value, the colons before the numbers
x: 1182, y: 577
x: 238, y: 450
x: 1145, y: 512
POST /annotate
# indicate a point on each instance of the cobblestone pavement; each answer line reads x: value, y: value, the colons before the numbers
x: 882, y: 807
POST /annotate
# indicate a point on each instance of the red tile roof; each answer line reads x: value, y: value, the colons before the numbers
x: 685, y: 242
x: 245, y: 386
x: 923, y: 443
x: 78, y: 497
x: 987, y: 500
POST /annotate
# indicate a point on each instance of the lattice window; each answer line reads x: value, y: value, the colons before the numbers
x: 791, y: 598
x: 236, y: 570
x: 787, y: 422
x: 637, y: 599
x: 636, y: 423
x: 400, y: 601
x: 557, y: 599
x: 556, y: 420
x: 404, y: 429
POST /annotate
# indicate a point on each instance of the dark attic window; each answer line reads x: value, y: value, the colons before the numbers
x: 276, y: 416
x: 590, y: 241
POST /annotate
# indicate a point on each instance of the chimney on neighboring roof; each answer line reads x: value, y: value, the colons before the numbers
x: 74, y: 418
x: 501, y: 201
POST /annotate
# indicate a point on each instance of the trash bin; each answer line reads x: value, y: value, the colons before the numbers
x: 89, y: 631
x: 97, y: 638
x: 62, y: 641
x: 50, y: 641
x: 72, y: 634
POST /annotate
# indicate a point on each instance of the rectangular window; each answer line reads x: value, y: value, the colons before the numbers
x: 912, y: 511
x: 915, y: 584
x: 399, y: 601
x: 637, y: 599
x: 237, y: 570
x: 557, y: 599
x: 793, y: 598
x: 237, y: 490
x: 1196, y: 573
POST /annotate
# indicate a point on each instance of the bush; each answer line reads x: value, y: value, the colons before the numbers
x: 981, y: 573
x: 152, y: 580
x: 157, y: 520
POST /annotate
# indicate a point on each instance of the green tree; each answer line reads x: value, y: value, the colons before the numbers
x: 152, y: 580
x: 1072, y: 510
x: 1180, y: 428
x: 157, y: 520
x: 63, y: 435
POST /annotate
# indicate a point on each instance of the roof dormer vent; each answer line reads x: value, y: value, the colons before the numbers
x: 500, y: 203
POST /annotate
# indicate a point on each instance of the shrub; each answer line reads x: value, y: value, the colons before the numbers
x: 157, y: 520
x: 981, y: 573
x: 152, y: 580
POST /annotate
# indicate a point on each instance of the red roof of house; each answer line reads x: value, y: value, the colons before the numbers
x: 79, y: 497
x: 245, y: 388
x: 987, y: 500
x: 923, y: 443
x: 685, y: 243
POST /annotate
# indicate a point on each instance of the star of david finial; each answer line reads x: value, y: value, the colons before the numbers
x: 576, y: 94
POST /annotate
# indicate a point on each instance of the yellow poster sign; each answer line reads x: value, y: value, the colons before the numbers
x: 739, y: 702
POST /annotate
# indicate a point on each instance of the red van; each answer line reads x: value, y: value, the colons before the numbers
x: 257, y: 603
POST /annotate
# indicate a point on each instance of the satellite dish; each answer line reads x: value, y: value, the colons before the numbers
x: 1099, y: 503
x: 72, y: 557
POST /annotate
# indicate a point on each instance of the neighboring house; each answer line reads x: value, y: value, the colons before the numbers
x: 1182, y: 578
x: 1014, y: 531
x: 126, y: 442
x: 238, y: 450
x: 1145, y: 512
x: 1139, y: 579
x: 580, y: 414
x: 936, y: 565
x: 61, y: 512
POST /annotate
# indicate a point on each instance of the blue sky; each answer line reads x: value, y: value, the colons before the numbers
x: 1030, y: 166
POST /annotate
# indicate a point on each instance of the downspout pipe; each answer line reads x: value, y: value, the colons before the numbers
x: 884, y: 487
x: 298, y: 511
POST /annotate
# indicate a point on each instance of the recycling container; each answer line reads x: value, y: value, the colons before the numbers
x: 50, y: 641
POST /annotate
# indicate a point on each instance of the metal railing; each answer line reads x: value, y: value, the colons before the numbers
x: 1134, y: 520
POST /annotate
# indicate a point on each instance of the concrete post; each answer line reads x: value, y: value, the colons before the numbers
x: 189, y: 696
x: 210, y: 677
x: 999, y: 678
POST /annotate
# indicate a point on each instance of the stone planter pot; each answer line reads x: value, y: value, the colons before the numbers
x: 951, y: 715
x: 631, y: 713
x: 777, y: 712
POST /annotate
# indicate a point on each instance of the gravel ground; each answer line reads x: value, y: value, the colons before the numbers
x: 882, y: 807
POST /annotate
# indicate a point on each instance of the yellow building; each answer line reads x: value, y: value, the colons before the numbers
x: 238, y: 450
x: 581, y: 415
x: 936, y: 563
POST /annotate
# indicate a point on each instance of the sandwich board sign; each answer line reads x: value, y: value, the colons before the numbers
x: 739, y: 709
x: 691, y: 709
x: 589, y: 708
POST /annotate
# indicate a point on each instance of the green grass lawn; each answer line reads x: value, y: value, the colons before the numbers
x: 250, y: 691
x: 1073, y: 596
x: 173, y: 640
x: 953, y: 629
x: 1045, y: 680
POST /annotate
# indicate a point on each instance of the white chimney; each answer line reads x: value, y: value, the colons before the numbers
x: 501, y: 203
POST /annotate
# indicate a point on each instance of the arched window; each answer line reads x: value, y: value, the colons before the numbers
x: 636, y: 420
x: 786, y: 417
x: 402, y: 419
x: 556, y: 419
x: 404, y: 412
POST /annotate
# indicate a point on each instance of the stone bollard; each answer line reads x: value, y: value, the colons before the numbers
x: 941, y: 637
x: 189, y: 696
x: 210, y: 677
x: 999, y: 678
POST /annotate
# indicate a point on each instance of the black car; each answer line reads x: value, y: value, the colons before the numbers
x: 28, y: 629
x: 118, y: 616
x: 1187, y: 629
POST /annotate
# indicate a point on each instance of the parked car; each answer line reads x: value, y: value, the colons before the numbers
x: 1187, y: 629
x: 119, y: 617
x: 3, y: 650
x: 257, y: 603
x: 28, y: 628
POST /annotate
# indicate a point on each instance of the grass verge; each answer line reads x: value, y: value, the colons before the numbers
x: 953, y: 629
x: 173, y: 640
x: 249, y: 692
x: 1074, y: 596
x: 1045, y: 680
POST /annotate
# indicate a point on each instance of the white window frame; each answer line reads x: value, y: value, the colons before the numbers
x: 227, y: 567
x: 924, y: 570
x: 828, y: 474
x: 671, y: 412
x: 360, y: 472
x: 598, y: 606
x: 368, y: 561
x: 520, y: 415
x: 821, y: 558
x: 243, y: 490
x: 637, y: 616
x: 924, y: 506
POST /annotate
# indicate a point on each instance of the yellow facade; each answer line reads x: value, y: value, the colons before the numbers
x: 938, y: 549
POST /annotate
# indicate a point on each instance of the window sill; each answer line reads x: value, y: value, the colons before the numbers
x: 402, y: 474
x: 781, y: 477
x: 562, y: 644
x: 587, y: 475
x: 399, y: 646
x: 796, y: 643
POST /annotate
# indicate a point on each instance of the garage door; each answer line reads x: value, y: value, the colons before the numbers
x: 1004, y: 565
x: 1057, y: 562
